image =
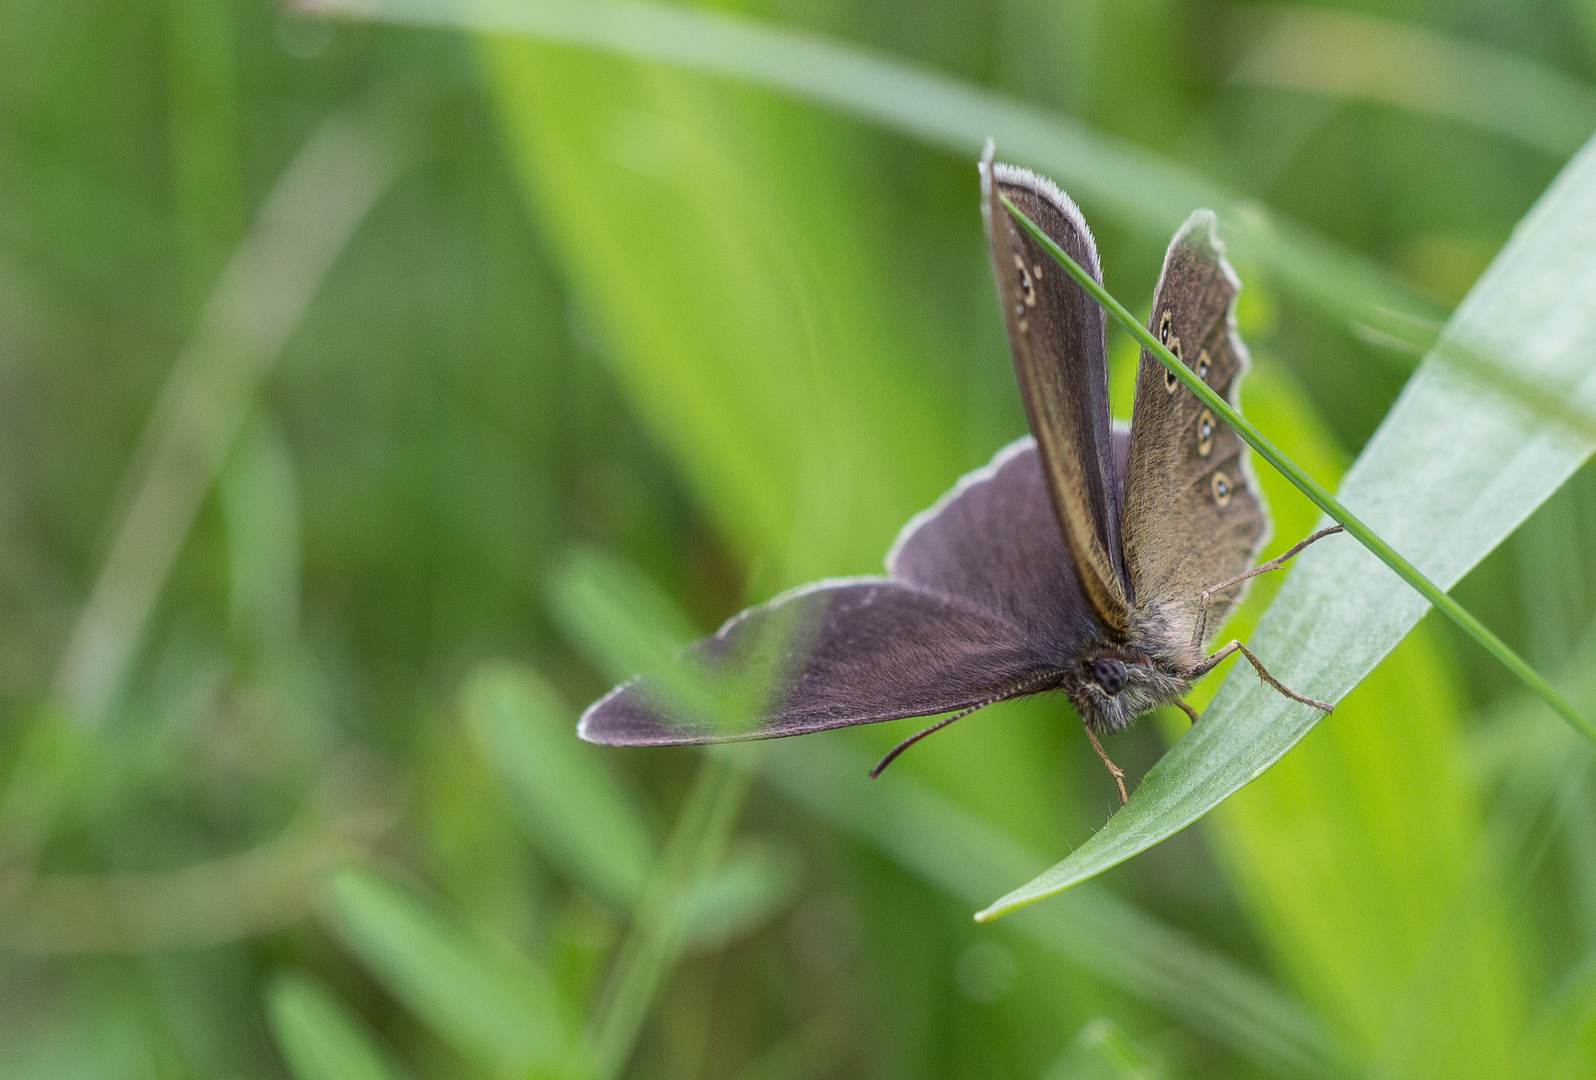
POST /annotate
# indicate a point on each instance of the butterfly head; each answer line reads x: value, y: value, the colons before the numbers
x: 1111, y: 688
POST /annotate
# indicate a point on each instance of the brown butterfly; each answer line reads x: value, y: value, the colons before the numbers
x: 1089, y: 559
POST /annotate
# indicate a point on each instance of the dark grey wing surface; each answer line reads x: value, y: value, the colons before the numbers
x: 1193, y: 514
x: 993, y: 542
x: 831, y: 655
x: 982, y: 597
x: 1056, y: 336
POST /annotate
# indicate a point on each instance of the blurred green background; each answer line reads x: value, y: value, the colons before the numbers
x: 372, y: 398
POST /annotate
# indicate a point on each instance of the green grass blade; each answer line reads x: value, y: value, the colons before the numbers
x: 1448, y: 476
x: 317, y: 1035
x: 260, y: 505
x: 1311, y: 487
x: 1114, y: 176
x: 1541, y: 397
x: 495, y: 1007
x: 777, y: 450
x: 615, y: 615
x: 1105, y: 1051
x: 563, y: 797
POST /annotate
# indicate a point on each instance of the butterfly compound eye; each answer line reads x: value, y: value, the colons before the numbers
x: 1109, y: 674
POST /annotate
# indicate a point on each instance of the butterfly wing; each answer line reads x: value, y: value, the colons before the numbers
x: 1193, y: 516
x: 993, y: 542
x: 1056, y: 335
x: 981, y: 598
x: 851, y: 652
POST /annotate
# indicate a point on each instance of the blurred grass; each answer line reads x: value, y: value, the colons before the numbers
x: 731, y: 340
x: 319, y: 1040
x: 791, y: 378
x: 1417, y: 69
x: 493, y: 1004
x: 580, y: 815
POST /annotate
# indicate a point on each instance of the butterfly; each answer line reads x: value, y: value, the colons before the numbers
x: 1088, y: 557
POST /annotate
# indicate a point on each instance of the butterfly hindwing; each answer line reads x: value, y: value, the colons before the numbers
x: 993, y: 542
x: 1193, y: 516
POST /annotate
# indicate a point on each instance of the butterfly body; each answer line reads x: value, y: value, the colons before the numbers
x: 1111, y: 687
x: 1116, y: 497
x: 1086, y: 557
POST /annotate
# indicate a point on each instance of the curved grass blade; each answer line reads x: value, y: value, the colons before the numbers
x: 1448, y: 476
x: 1350, y: 908
x: 1145, y: 190
x: 1310, y: 487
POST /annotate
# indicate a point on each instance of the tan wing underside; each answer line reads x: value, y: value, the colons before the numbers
x: 1192, y: 516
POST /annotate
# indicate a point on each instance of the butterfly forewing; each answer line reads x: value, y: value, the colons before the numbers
x: 1192, y: 513
x: 1056, y: 336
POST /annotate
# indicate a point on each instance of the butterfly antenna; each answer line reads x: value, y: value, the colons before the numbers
x: 1018, y: 689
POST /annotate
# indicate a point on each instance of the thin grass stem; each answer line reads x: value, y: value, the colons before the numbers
x: 645, y: 959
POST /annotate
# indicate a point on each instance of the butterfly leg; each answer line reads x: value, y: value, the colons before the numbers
x: 1188, y: 710
x: 1263, y: 673
x: 1262, y: 568
x: 1114, y: 770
